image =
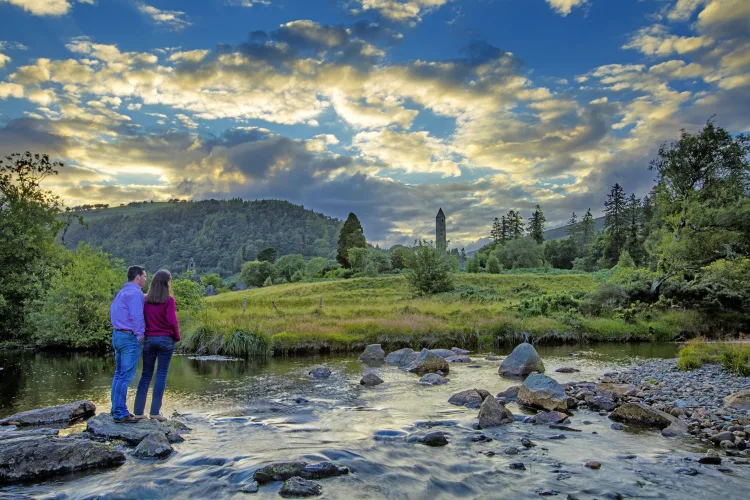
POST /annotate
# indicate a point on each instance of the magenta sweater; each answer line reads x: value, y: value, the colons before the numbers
x: 161, y: 320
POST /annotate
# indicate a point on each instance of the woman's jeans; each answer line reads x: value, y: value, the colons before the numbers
x: 154, y: 348
x: 127, y: 352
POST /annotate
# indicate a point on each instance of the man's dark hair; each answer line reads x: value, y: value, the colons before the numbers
x: 134, y: 272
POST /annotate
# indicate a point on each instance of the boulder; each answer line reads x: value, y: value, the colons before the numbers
x: 402, y: 357
x: 15, y: 433
x: 543, y: 392
x: 646, y: 416
x: 251, y: 487
x: 614, y: 391
x: 600, y: 403
x: 493, y: 414
x: 436, y: 438
x: 522, y: 361
x: 443, y: 353
x: 296, y: 487
x: 371, y: 380
x: 459, y: 352
x: 739, y: 400
x: 103, y: 426
x: 509, y: 393
x: 62, y: 414
x: 281, y: 471
x: 433, y: 379
x: 458, y: 359
x: 210, y: 291
x: 240, y: 286
x: 428, y: 362
x: 34, y: 458
x: 155, y: 445
x: 373, y: 353
x: 471, y: 398
x: 548, y: 417
x: 319, y: 372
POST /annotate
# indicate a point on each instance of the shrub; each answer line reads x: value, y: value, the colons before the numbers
x: 74, y: 311
x: 255, y: 273
x: 268, y: 282
x: 298, y: 276
x: 211, y: 279
x: 493, y: 265
x: 430, y: 271
x: 400, y: 257
x: 606, y: 300
x: 523, y: 252
x: 287, y: 265
x: 472, y: 265
x: 188, y: 295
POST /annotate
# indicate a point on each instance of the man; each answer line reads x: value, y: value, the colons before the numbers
x: 126, y: 315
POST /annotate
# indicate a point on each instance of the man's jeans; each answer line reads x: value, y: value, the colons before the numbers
x: 154, y: 348
x: 127, y: 353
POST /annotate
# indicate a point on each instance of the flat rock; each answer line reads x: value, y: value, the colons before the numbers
x: 103, y: 426
x: 251, y: 487
x: 373, y: 353
x: 371, y: 380
x: 320, y: 372
x: 402, y: 357
x: 614, y: 391
x: 459, y: 352
x: 548, y: 417
x: 428, y: 362
x: 61, y: 414
x: 281, y: 471
x: 646, y: 416
x: 436, y: 438
x: 433, y: 379
x: 493, y: 414
x: 443, y: 353
x: 40, y: 457
x: 155, y: 445
x: 509, y: 393
x: 600, y: 403
x: 297, y: 487
x: 567, y: 369
x: 471, y: 398
x: 458, y: 359
x: 543, y: 392
x: 522, y: 361
x: 739, y: 400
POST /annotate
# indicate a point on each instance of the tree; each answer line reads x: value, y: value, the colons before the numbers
x: 256, y: 272
x: 493, y: 265
x: 574, y: 229
x: 357, y: 259
x: 615, y: 223
x: 536, y: 225
x: 588, y: 228
x: 514, y: 225
x: 429, y: 270
x: 287, y: 265
x: 239, y: 259
x: 351, y: 236
x: 378, y: 260
x: 267, y: 255
x: 30, y: 219
x: 561, y: 253
x: 520, y: 253
x: 211, y: 279
x: 462, y: 259
x: 472, y: 265
x: 633, y: 242
x: 188, y: 295
x: 496, y: 231
x: 400, y: 257
x: 74, y: 310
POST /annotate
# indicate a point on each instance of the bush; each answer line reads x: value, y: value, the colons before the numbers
x: 74, y: 311
x: 211, y: 279
x: 430, y: 271
x: 734, y: 358
x: 400, y: 257
x: 357, y: 259
x: 268, y: 282
x: 255, y: 273
x: 493, y: 265
x: 188, y: 295
x: 472, y: 265
x: 608, y: 299
x: 523, y: 252
x: 298, y: 276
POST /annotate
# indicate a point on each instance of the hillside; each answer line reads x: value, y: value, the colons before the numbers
x: 167, y: 235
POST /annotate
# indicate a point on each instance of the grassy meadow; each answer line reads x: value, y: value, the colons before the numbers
x: 482, y: 312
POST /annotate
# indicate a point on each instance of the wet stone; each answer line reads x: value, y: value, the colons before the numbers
x: 434, y: 439
x: 155, y: 445
x: 512, y: 451
x: 617, y: 427
x: 433, y: 379
x: 61, y: 414
x: 320, y: 372
x: 521, y: 362
x: 297, y: 487
x: 527, y: 443
x: 371, y: 380
x: 709, y: 460
x: 547, y: 493
x: 687, y: 471
x: 593, y: 465
x: 517, y: 466
x: 251, y: 487
x: 567, y: 369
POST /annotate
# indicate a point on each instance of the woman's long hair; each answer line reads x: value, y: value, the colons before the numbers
x: 160, y: 288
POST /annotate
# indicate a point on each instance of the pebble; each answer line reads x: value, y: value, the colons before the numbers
x: 593, y: 465
x: 617, y: 427
x: 512, y: 451
x: 527, y: 443
x: 687, y: 471
x: 517, y: 466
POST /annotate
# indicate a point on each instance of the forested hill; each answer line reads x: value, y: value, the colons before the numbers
x: 167, y: 235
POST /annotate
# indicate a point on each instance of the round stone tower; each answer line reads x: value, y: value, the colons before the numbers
x: 440, y: 232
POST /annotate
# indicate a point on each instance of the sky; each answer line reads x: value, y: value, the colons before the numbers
x: 389, y: 109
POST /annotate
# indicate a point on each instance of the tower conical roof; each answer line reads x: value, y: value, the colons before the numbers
x: 440, y: 213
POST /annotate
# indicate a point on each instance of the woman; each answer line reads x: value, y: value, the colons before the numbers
x: 162, y: 331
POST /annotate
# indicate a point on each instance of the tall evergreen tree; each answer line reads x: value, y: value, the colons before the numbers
x: 615, y: 223
x: 239, y: 259
x: 574, y: 229
x: 496, y: 231
x: 633, y: 241
x: 536, y: 225
x: 351, y: 236
x: 588, y: 228
x: 515, y: 225
x: 504, y: 230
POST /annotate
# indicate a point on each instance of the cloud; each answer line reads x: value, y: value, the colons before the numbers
x: 186, y: 121
x: 564, y: 7
x: 5, y: 45
x: 725, y: 18
x: 676, y: 69
x: 410, y: 11
x: 173, y: 19
x: 46, y: 7
x: 249, y: 3
x: 683, y: 10
x: 656, y: 41
x: 4, y: 60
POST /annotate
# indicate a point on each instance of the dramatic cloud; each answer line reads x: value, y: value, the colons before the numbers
x: 410, y: 11
x: 46, y: 7
x: 564, y: 7
x: 173, y: 19
x: 655, y: 40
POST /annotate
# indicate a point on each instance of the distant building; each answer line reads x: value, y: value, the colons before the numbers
x: 441, y: 241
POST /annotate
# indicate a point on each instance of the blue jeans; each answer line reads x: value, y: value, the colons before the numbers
x: 154, y: 348
x: 127, y: 353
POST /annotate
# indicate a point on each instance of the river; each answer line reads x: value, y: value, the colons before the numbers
x: 245, y: 414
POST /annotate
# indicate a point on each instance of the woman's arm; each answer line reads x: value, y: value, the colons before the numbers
x: 172, y: 318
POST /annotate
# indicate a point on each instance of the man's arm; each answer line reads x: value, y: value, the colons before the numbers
x: 135, y: 310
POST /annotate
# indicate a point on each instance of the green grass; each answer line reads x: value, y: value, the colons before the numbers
x: 734, y: 357
x: 482, y: 312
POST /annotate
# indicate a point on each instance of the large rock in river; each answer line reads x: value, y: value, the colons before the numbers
x: 493, y: 414
x: 62, y: 414
x: 34, y: 458
x: 402, y: 357
x: 541, y: 391
x: 443, y: 353
x: 371, y: 379
x: 281, y: 471
x: 374, y: 353
x: 523, y: 360
x: 296, y: 487
x: 739, y: 400
x: 155, y: 445
x: 428, y: 362
x: 471, y: 398
x: 103, y: 426
x: 646, y: 416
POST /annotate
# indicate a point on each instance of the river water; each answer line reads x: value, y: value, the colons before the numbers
x: 245, y: 414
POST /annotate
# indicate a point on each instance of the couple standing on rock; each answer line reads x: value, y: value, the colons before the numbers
x: 148, y: 324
